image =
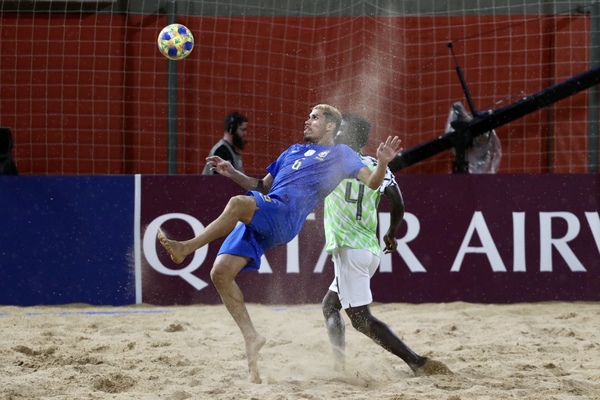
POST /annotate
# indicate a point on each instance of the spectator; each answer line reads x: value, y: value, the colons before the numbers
x: 7, y: 164
x: 233, y: 142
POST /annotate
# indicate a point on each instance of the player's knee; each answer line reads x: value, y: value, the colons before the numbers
x: 215, y: 277
x: 237, y: 201
x: 330, y: 304
x: 218, y: 274
x: 234, y: 204
x: 361, y: 321
x: 243, y: 207
x: 327, y: 309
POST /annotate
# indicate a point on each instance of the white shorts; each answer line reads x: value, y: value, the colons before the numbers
x: 353, y: 271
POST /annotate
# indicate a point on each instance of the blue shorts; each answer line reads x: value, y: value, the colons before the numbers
x: 270, y: 227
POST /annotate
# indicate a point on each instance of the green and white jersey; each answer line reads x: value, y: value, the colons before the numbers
x: 350, y: 216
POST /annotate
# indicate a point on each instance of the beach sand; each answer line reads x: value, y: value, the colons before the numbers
x: 532, y: 351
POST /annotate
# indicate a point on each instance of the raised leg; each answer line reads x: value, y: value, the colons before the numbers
x: 238, y: 209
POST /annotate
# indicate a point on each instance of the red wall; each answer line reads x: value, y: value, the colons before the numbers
x: 86, y: 94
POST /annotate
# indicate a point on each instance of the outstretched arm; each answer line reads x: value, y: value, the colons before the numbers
x: 397, y: 214
x: 385, y: 153
x: 225, y: 168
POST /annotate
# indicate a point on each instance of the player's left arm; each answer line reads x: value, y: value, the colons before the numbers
x: 385, y: 153
x: 223, y: 167
x: 394, y: 195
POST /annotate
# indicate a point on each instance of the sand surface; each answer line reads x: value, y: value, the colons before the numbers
x: 539, y: 351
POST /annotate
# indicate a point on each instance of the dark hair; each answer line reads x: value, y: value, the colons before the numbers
x: 232, y: 121
x: 361, y: 126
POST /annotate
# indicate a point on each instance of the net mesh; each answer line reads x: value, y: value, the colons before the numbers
x: 84, y: 87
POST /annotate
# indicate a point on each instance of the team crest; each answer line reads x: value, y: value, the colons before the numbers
x: 322, y: 155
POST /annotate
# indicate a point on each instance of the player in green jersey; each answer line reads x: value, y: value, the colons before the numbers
x: 350, y: 220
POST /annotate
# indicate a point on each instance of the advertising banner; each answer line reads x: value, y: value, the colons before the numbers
x: 475, y: 238
x: 67, y: 239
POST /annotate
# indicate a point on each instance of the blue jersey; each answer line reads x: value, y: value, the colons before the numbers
x: 303, y: 175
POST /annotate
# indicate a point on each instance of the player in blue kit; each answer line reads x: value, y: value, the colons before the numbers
x: 275, y: 208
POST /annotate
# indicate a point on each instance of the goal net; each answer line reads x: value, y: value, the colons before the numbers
x: 85, y: 90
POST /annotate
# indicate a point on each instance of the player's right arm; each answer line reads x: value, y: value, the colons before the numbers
x: 225, y: 168
x: 385, y: 153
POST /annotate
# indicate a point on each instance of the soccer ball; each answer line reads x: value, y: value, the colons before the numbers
x: 175, y: 41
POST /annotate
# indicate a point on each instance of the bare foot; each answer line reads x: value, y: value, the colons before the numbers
x: 432, y: 367
x: 174, y: 248
x: 252, y: 349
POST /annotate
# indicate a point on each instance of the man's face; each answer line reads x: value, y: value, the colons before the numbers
x: 239, y: 136
x: 317, y: 129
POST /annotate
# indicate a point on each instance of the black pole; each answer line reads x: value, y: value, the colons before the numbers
x: 171, y: 99
x: 463, y: 82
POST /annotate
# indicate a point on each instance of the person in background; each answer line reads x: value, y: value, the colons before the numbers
x: 7, y: 164
x: 274, y: 210
x: 350, y: 222
x: 229, y: 148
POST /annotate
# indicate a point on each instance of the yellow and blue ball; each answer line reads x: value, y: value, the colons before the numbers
x: 175, y: 41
